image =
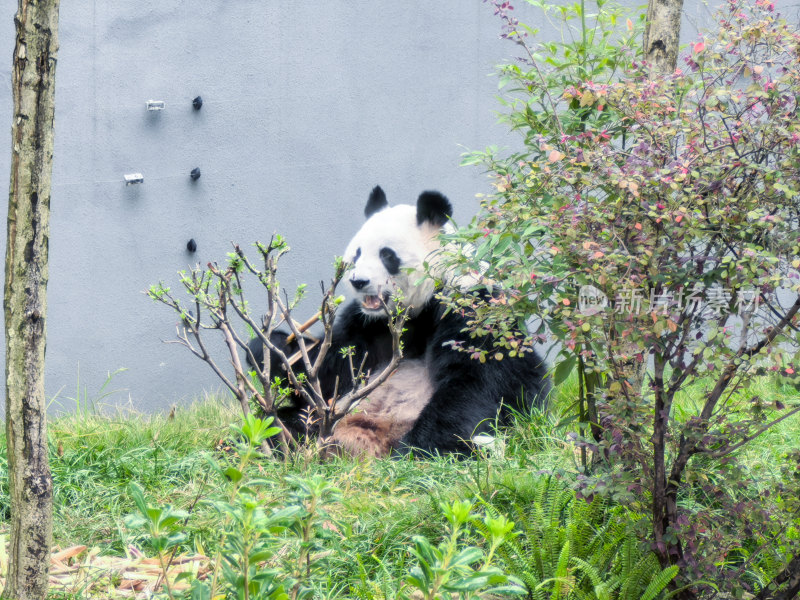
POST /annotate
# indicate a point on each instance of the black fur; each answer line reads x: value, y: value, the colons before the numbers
x: 294, y: 414
x: 433, y: 207
x: 467, y: 394
x: 377, y: 201
x: 390, y: 260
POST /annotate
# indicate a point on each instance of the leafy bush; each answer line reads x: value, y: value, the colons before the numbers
x: 653, y: 220
x: 455, y: 570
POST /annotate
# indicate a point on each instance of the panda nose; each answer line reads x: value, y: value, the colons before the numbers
x: 359, y: 284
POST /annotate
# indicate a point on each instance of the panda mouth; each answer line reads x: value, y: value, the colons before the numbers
x: 376, y: 302
x: 372, y: 302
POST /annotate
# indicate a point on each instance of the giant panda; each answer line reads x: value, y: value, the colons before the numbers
x: 439, y: 398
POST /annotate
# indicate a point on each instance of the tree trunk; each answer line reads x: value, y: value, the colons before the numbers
x: 662, y: 34
x: 30, y: 483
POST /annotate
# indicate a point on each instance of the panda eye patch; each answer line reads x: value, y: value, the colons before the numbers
x: 390, y: 260
x: 357, y: 256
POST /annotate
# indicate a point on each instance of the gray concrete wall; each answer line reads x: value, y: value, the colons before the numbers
x: 307, y: 106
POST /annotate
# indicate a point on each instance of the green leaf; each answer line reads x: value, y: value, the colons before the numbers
x: 467, y: 557
x: 138, y: 498
x: 233, y: 474
x: 564, y: 369
x: 259, y: 557
x: 661, y: 581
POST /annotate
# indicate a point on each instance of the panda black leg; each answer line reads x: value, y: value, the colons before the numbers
x: 468, y: 396
x: 448, y: 422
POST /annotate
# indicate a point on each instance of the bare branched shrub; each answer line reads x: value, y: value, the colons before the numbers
x: 217, y: 300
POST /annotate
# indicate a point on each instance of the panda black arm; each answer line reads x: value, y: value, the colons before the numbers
x: 367, y: 337
x: 370, y: 341
x: 349, y: 331
x: 291, y: 414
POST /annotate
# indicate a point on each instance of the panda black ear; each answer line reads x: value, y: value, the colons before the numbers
x: 434, y: 208
x: 377, y: 201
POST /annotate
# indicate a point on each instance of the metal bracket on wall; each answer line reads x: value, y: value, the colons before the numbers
x: 156, y: 105
x: 132, y: 178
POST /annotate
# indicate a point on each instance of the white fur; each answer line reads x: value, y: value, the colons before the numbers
x: 396, y: 228
x: 389, y: 413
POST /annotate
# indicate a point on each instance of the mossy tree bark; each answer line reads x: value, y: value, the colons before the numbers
x: 662, y: 34
x: 25, y: 304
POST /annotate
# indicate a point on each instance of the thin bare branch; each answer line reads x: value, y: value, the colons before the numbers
x: 750, y: 437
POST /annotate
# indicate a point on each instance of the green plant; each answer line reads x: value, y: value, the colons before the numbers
x: 248, y: 528
x: 652, y: 219
x: 453, y: 569
x: 270, y: 550
x: 310, y: 496
x: 163, y: 525
x: 218, y: 300
x: 570, y: 548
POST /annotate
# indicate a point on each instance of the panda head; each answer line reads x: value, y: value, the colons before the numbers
x: 389, y: 250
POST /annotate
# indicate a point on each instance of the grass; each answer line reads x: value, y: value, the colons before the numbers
x: 95, y: 456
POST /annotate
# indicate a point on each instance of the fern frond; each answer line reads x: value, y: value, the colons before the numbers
x: 637, y: 578
x: 659, y: 582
